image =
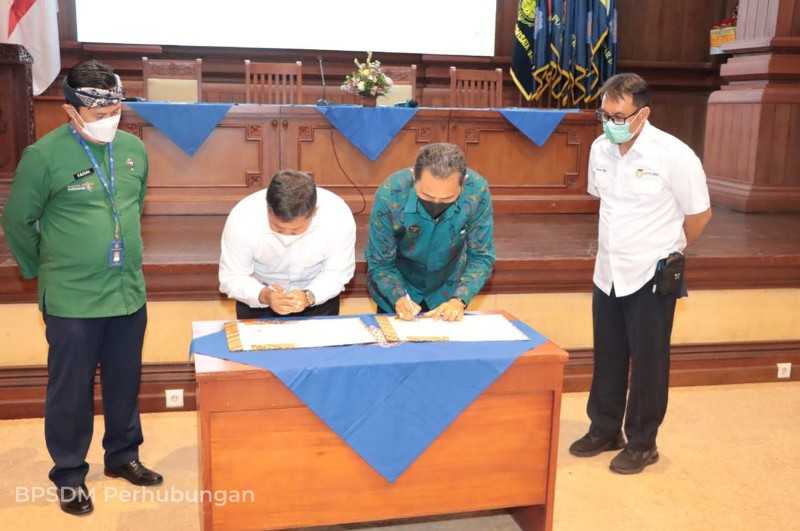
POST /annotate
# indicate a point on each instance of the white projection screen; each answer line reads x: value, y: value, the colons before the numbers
x: 447, y: 27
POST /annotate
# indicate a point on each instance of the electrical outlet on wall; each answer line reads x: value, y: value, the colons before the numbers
x: 784, y: 370
x: 174, y: 398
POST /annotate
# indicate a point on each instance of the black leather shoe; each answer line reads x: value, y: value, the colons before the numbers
x: 590, y: 445
x: 136, y: 473
x: 633, y: 461
x: 75, y: 500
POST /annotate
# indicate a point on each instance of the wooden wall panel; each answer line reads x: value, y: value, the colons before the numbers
x: 753, y: 138
x: 234, y: 161
x: 16, y: 111
x: 310, y: 143
x: 668, y: 32
x: 265, y: 138
x: 521, y: 173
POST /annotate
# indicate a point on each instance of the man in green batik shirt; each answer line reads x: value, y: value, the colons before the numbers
x: 431, y: 242
x: 72, y: 221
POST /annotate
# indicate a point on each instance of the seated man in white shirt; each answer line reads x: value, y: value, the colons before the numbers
x: 287, y: 250
x: 653, y: 203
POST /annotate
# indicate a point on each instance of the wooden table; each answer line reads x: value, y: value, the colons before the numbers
x: 256, y: 435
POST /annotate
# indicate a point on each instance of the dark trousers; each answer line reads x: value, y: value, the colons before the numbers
x: 330, y: 307
x: 632, y: 331
x: 76, y: 347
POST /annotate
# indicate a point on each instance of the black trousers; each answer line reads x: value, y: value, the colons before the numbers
x: 630, y: 332
x: 76, y: 347
x: 330, y: 307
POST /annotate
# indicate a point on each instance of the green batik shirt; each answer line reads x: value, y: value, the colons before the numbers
x: 431, y: 260
x: 58, y: 224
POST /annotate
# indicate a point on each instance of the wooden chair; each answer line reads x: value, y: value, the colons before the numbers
x: 278, y: 83
x: 173, y: 80
x: 404, y: 87
x: 476, y: 88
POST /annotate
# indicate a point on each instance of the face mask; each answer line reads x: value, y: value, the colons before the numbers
x: 435, y: 209
x: 101, y: 131
x: 618, y: 134
x: 288, y: 239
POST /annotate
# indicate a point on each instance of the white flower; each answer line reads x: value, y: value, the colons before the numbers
x: 361, y: 85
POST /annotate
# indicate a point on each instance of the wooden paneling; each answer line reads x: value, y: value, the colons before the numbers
x: 296, y: 446
x: 521, y: 173
x: 668, y: 32
x: 311, y: 477
x: 752, y: 145
x: 16, y: 111
x: 211, y: 181
x: 22, y: 389
x: 310, y: 143
x: 523, y: 177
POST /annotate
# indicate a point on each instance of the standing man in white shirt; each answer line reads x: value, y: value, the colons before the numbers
x: 287, y: 250
x: 653, y: 203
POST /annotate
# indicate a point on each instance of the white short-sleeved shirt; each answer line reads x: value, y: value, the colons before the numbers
x: 644, y: 197
x: 322, y: 260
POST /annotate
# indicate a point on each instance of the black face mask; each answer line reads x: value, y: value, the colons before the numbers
x: 435, y: 209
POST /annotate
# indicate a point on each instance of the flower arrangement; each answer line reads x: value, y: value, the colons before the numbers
x: 367, y: 79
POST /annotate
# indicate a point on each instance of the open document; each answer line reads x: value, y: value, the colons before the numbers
x: 302, y: 333
x: 484, y: 327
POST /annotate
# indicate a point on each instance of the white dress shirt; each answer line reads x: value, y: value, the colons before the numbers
x: 322, y: 260
x: 644, y: 197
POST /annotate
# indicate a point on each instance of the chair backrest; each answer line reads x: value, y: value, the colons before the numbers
x: 476, y: 88
x: 173, y: 80
x: 404, y: 88
x: 279, y: 83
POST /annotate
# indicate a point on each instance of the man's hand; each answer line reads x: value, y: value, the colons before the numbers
x: 278, y: 300
x: 406, y: 309
x: 452, y: 310
x: 299, y: 300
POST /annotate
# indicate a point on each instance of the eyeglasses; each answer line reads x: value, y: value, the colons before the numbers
x: 603, y: 116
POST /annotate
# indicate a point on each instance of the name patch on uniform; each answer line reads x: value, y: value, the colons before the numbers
x: 88, y: 187
x: 641, y: 172
x: 83, y: 173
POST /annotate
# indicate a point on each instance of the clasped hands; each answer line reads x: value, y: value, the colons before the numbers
x: 283, y: 302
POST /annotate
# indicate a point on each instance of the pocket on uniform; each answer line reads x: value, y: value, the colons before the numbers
x: 601, y: 179
x: 648, y: 185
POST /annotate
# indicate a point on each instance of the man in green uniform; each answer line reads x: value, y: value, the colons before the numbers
x: 431, y: 243
x: 73, y: 221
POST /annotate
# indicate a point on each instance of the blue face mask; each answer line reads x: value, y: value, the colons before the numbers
x: 619, y: 134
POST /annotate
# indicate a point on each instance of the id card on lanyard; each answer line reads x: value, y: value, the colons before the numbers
x: 116, y: 250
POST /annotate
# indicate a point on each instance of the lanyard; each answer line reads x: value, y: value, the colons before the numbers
x: 109, y: 184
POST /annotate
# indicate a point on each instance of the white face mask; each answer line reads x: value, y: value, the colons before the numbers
x: 104, y: 130
x: 288, y: 239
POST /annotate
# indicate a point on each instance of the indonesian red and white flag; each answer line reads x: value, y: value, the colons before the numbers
x: 34, y: 25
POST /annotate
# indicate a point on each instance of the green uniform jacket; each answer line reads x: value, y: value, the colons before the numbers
x: 431, y: 260
x: 59, y: 226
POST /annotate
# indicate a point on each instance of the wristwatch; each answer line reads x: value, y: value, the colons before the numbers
x: 310, y: 299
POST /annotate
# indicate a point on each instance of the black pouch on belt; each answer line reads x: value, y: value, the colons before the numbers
x: 669, y: 274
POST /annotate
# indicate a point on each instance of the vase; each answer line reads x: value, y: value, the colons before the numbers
x: 369, y: 101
